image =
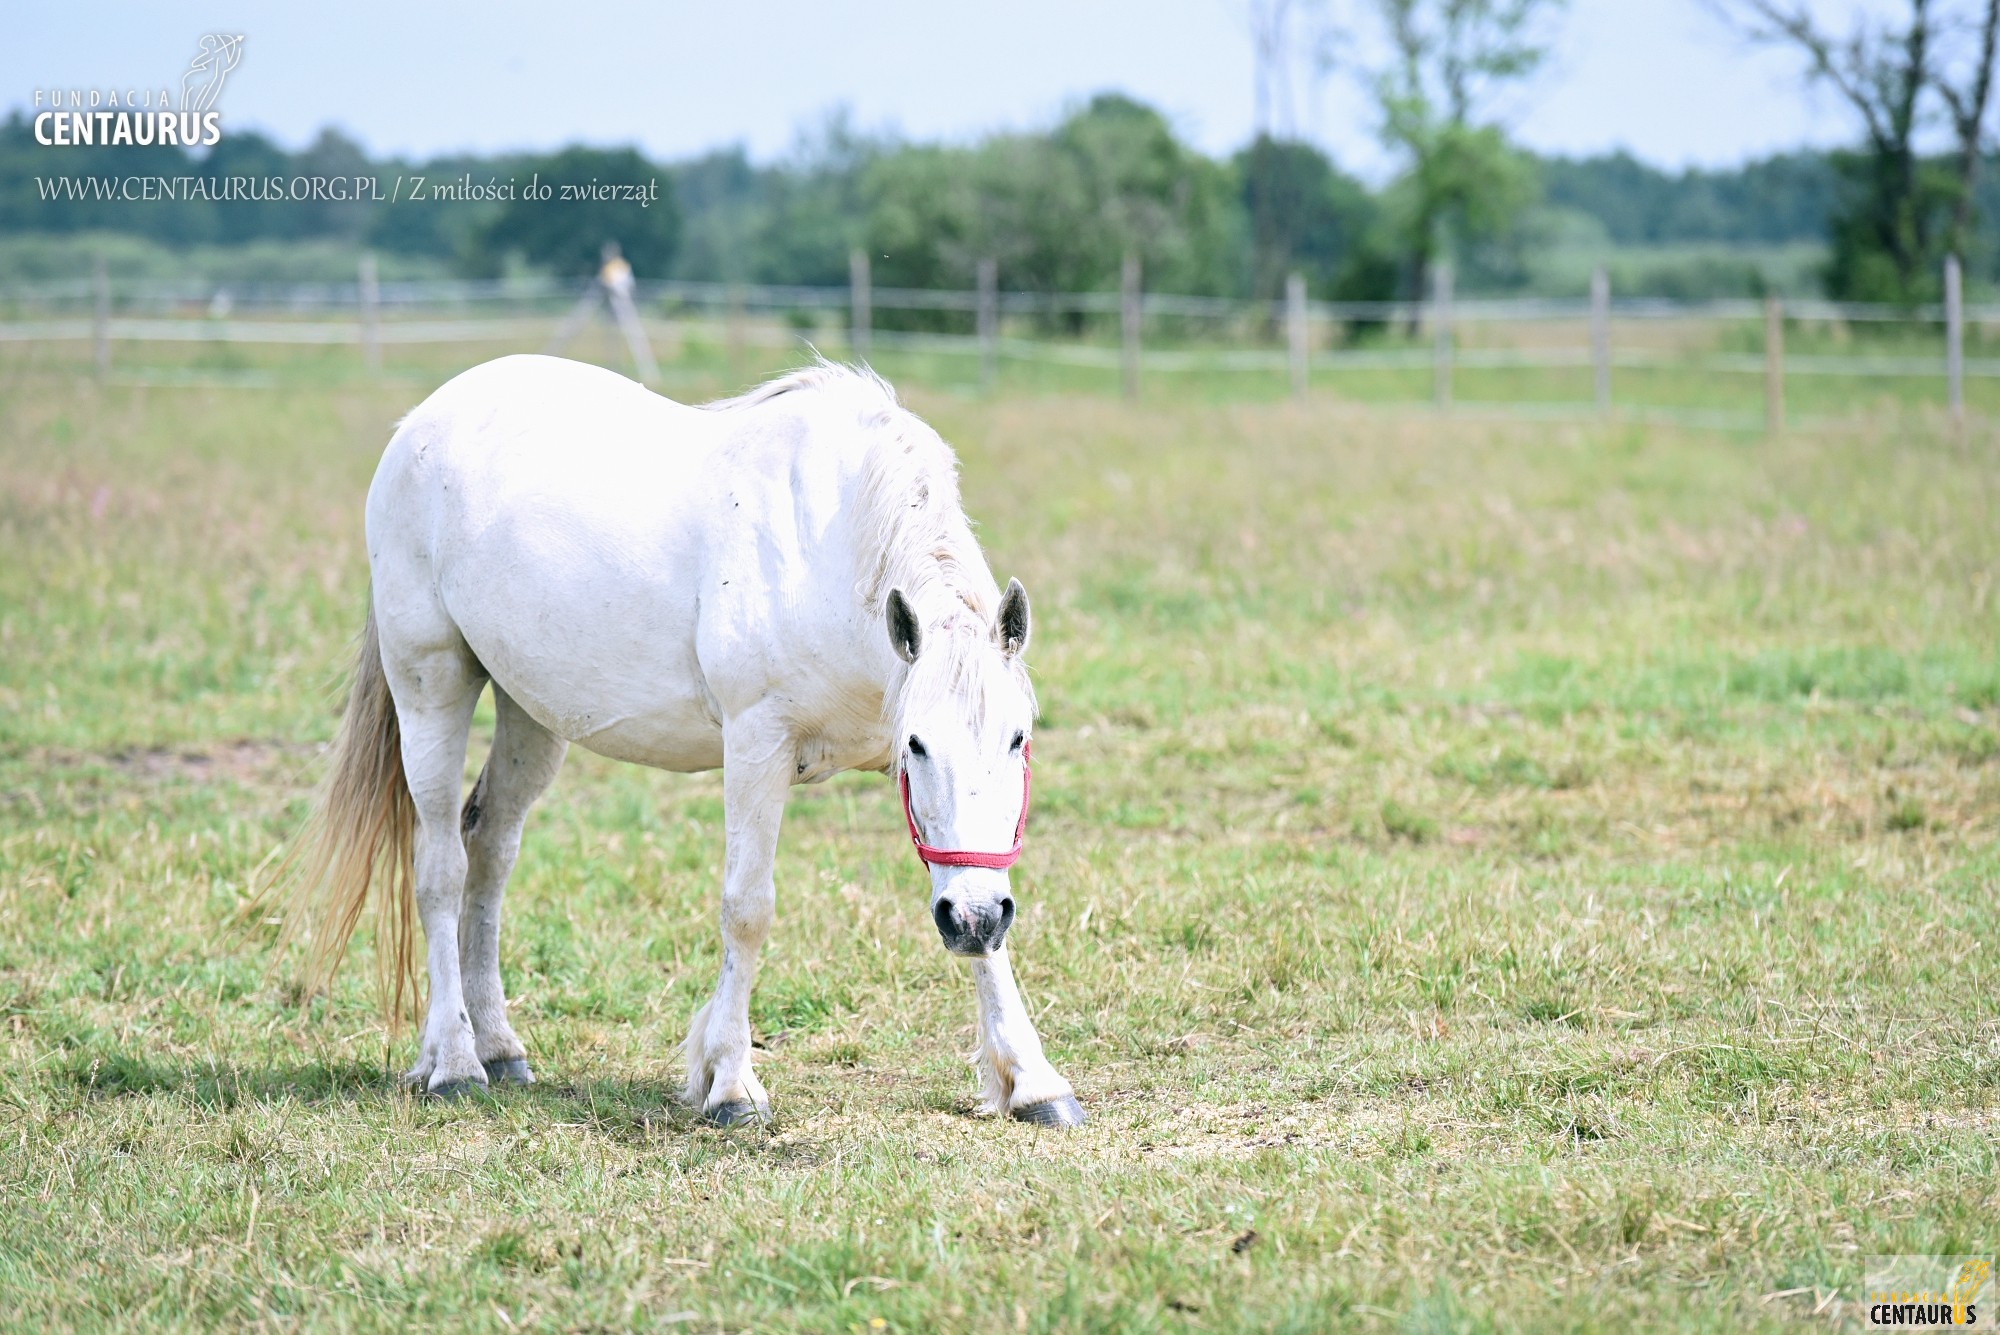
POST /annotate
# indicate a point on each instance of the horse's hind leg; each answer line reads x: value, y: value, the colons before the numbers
x: 436, y: 683
x: 523, y: 762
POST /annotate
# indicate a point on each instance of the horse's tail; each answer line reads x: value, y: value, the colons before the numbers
x: 362, y: 828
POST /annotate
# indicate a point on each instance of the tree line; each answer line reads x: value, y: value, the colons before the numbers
x: 1058, y: 209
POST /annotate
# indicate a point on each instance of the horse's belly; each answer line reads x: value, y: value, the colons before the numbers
x: 628, y: 699
x: 683, y: 740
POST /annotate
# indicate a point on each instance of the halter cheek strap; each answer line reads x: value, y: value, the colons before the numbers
x: 961, y: 857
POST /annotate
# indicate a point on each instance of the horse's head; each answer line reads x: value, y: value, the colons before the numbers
x: 963, y: 718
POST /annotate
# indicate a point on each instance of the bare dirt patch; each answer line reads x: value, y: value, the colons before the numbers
x: 244, y: 760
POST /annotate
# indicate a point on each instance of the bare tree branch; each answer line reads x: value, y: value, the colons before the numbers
x: 1968, y: 119
x: 1848, y: 67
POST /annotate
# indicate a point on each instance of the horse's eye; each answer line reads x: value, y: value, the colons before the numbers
x: 1019, y: 738
x: 917, y: 747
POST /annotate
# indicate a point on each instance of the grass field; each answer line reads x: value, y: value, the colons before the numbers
x: 1483, y: 876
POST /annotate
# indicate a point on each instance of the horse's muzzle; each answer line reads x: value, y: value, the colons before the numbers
x: 970, y: 928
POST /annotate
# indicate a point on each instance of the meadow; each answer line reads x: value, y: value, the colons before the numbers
x: 1485, y: 875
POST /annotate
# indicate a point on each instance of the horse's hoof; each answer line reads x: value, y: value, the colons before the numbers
x: 456, y: 1089
x: 508, y: 1071
x: 737, y: 1112
x: 1065, y: 1112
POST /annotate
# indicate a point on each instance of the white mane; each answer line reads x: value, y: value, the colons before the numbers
x: 911, y: 533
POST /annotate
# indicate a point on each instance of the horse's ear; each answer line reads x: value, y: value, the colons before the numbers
x: 904, y: 632
x: 1012, y: 624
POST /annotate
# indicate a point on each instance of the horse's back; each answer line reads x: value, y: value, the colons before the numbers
x: 631, y: 570
x: 546, y: 426
x: 546, y: 512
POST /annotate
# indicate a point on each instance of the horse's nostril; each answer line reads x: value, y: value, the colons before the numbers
x: 1006, y: 914
x: 941, y: 915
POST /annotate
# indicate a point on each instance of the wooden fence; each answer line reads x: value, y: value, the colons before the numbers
x: 1130, y: 331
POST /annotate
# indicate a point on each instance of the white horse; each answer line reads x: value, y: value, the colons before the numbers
x: 782, y: 584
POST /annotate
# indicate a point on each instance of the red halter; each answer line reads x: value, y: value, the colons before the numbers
x: 959, y: 857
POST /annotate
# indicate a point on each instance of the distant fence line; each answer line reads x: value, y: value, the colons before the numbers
x: 311, y: 298
x: 377, y: 313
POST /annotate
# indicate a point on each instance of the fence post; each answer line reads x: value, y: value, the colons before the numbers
x: 989, y: 323
x: 618, y: 290
x: 1296, y: 332
x: 1954, y: 337
x: 1600, y: 336
x: 732, y: 326
x: 1774, y: 365
x: 1441, y: 334
x: 100, y: 316
x: 1128, y: 309
x: 860, y: 299
x: 371, y: 300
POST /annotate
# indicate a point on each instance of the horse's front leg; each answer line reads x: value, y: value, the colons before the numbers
x: 1014, y: 1076
x: 757, y: 769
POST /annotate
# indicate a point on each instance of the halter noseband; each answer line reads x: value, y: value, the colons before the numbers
x: 960, y: 857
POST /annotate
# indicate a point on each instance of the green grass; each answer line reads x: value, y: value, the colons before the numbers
x: 1484, y: 875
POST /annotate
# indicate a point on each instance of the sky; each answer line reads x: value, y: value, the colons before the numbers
x: 1664, y: 79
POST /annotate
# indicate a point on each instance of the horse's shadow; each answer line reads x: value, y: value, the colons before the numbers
x: 627, y: 1109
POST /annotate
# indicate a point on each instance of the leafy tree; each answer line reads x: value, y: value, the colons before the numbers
x: 1304, y: 214
x: 1786, y: 197
x: 928, y: 217
x: 1901, y: 213
x: 457, y: 231
x: 1463, y: 184
x: 567, y: 236
x: 252, y: 213
x: 333, y: 155
x: 722, y: 198
x: 1059, y: 211
x: 815, y: 206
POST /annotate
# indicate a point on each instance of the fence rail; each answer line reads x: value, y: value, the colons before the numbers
x: 308, y: 298
x: 1294, y: 335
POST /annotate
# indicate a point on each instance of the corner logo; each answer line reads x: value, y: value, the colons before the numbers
x: 1925, y: 1292
x: 202, y: 84
x: 90, y: 117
